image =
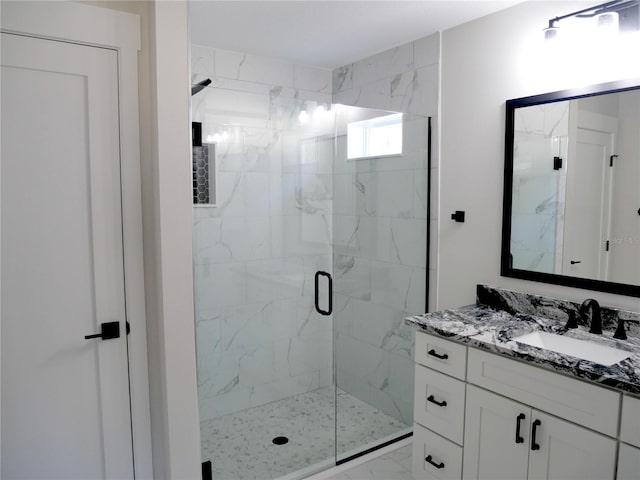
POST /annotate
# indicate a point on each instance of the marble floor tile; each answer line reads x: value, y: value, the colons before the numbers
x: 240, y: 445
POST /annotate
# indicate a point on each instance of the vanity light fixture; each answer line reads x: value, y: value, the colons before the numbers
x: 605, y: 16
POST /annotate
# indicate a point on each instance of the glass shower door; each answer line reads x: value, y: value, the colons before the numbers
x: 379, y: 263
x: 309, y: 253
x: 265, y: 362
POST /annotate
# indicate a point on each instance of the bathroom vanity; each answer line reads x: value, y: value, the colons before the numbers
x: 488, y: 406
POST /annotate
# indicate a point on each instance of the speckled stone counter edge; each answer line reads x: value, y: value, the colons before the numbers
x: 501, y: 315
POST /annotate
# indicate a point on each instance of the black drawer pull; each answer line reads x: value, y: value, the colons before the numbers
x: 429, y: 459
x: 432, y: 399
x: 521, y: 417
x: 433, y: 353
x: 534, y: 445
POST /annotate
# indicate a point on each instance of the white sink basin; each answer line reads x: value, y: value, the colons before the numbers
x: 593, y: 352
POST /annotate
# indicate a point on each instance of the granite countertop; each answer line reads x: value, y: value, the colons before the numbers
x: 492, y: 328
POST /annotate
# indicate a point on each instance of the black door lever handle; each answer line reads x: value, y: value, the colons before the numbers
x: 108, y: 331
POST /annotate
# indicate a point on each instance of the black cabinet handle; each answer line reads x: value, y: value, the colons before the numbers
x: 429, y: 459
x: 574, y: 262
x: 432, y: 399
x: 108, y: 331
x: 521, y: 417
x: 534, y: 445
x: 316, y: 299
x: 433, y: 353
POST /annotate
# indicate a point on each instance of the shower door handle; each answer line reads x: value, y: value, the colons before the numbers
x: 330, y: 292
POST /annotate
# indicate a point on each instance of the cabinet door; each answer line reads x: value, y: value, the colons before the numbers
x: 628, y: 462
x: 559, y: 449
x: 494, y: 447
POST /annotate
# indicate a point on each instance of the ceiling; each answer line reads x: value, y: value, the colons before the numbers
x: 324, y: 33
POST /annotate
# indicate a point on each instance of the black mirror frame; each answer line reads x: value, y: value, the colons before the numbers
x: 506, y: 269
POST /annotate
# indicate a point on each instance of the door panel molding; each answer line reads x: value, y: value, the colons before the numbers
x: 88, y: 25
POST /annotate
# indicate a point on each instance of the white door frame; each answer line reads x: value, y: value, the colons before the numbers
x: 120, y: 31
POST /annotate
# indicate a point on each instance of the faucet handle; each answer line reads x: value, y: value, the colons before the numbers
x: 620, y: 333
x: 573, y: 320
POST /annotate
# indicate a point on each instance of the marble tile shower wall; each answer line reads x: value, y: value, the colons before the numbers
x: 255, y: 252
x: 540, y: 133
x: 379, y: 244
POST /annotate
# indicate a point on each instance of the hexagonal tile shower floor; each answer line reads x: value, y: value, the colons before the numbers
x: 241, y: 445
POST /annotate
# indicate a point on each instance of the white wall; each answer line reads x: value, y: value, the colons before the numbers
x: 166, y: 205
x: 484, y: 63
x: 172, y: 337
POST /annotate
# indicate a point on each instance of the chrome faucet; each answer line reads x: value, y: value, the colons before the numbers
x: 596, y: 317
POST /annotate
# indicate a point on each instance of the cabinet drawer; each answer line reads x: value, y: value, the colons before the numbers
x: 630, y: 425
x: 442, y: 355
x: 576, y: 401
x: 628, y: 463
x: 439, y: 403
x: 444, y: 458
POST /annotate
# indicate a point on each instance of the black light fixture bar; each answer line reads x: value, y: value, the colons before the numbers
x: 612, y: 6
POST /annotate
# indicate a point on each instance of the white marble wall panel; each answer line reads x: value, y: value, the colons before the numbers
x: 406, y: 247
x: 313, y: 79
x: 269, y: 77
x: 420, y: 201
x: 255, y: 253
x: 426, y: 51
x: 538, y: 190
x: 201, y: 61
x: 384, y: 64
x: 240, y: 66
x: 386, y: 199
x: 404, y: 79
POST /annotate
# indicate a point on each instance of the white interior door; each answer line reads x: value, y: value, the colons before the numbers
x: 65, y: 399
x: 588, y: 204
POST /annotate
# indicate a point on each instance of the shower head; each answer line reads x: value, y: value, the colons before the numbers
x: 199, y: 86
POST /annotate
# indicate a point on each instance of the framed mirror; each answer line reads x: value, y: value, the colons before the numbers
x: 571, y: 213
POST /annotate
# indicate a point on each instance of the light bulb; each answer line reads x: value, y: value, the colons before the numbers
x: 607, y: 22
x: 550, y: 33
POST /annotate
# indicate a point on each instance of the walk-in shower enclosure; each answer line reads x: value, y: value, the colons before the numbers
x: 297, y: 187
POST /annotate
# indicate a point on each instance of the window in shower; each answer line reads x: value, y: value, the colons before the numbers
x: 375, y: 137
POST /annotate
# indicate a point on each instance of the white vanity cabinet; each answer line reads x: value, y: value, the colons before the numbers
x: 506, y: 439
x: 629, y: 455
x: 439, y: 401
x: 628, y: 462
x: 503, y: 419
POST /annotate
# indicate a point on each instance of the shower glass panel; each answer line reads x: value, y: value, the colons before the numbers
x: 287, y: 387
x: 379, y: 250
